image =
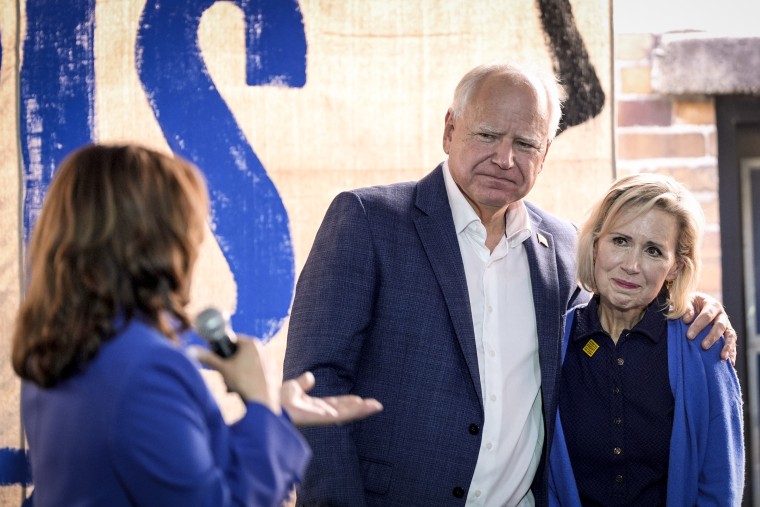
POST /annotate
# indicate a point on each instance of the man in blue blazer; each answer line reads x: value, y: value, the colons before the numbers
x: 445, y: 300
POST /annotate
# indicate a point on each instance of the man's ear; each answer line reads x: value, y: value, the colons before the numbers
x: 548, y: 145
x: 448, y: 130
x: 546, y: 151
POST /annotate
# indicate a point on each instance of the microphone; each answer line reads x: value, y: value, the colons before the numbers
x: 215, y: 328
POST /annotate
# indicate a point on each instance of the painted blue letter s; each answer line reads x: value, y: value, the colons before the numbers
x: 248, y: 217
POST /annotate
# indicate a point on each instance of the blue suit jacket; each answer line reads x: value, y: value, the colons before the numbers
x: 382, y: 310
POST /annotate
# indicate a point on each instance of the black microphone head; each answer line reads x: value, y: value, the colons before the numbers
x: 214, y: 327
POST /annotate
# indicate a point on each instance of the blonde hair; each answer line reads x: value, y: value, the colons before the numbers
x: 641, y: 193
x: 117, y: 236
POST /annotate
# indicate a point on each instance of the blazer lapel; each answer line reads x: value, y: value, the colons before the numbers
x: 435, y: 227
x: 542, y: 259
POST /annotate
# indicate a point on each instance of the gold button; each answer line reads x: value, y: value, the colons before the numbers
x: 618, y: 451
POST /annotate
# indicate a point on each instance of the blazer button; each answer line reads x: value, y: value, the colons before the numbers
x: 474, y: 429
x: 458, y: 492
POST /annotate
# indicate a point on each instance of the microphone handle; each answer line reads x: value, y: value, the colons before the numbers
x: 224, y: 346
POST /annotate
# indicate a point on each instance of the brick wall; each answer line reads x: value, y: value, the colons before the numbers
x: 674, y: 135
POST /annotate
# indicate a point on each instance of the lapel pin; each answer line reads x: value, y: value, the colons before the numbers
x: 542, y: 240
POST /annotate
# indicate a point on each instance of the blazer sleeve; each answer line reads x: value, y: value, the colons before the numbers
x: 171, y: 446
x: 329, y: 322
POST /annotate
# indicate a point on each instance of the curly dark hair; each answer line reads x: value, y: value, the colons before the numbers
x: 117, y: 237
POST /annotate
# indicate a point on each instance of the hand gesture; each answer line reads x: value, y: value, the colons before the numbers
x: 305, y: 410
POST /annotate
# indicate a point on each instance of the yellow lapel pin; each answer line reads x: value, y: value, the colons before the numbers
x: 590, y: 348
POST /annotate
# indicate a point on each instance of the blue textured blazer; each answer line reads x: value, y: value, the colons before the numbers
x: 381, y: 309
x: 139, y: 427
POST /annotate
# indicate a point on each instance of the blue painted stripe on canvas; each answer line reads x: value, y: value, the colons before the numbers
x: 14, y: 467
x: 57, y: 93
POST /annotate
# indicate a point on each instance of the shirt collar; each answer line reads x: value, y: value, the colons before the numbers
x: 652, y: 325
x: 518, y: 227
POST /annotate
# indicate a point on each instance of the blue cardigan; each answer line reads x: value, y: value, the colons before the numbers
x: 706, y: 464
x: 139, y: 427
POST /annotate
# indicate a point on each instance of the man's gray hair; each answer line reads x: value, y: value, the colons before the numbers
x: 534, y: 76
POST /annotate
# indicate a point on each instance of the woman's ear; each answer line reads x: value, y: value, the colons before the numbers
x: 674, y: 271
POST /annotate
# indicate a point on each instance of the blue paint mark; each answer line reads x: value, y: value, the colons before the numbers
x: 14, y: 467
x: 57, y: 92
x: 248, y: 217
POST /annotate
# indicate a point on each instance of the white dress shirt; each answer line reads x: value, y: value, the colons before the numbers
x: 504, y: 319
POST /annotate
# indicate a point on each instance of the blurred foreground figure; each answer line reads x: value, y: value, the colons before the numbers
x: 115, y: 411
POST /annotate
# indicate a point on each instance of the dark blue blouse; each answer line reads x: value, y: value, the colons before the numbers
x: 616, y: 407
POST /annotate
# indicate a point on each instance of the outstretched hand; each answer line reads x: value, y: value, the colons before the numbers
x: 305, y: 410
x: 709, y: 311
x: 246, y: 374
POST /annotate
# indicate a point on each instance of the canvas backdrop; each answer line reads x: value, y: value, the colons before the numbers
x: 282, y: 104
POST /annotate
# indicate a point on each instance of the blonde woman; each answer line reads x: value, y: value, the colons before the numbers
x: 646, y: 417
